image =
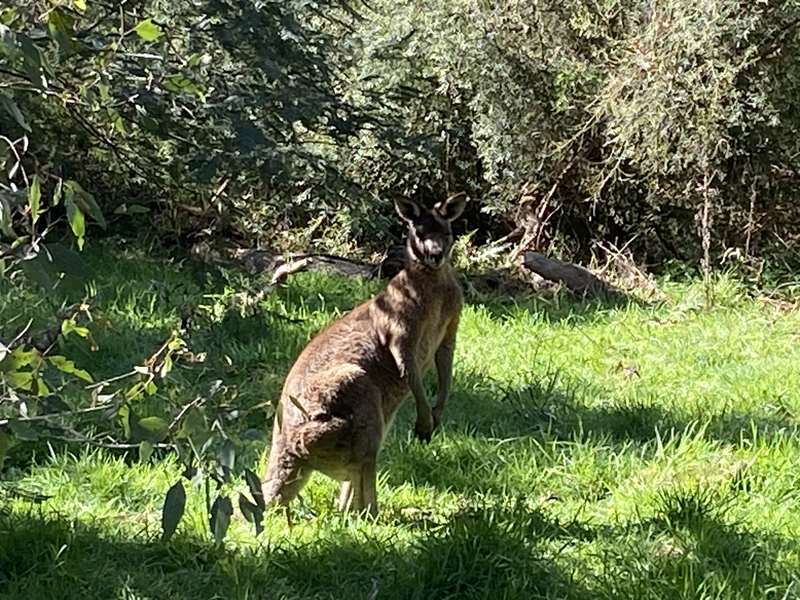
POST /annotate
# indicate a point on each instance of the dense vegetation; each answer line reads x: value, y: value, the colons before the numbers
x: 571, y: 122
x: 648, y: 133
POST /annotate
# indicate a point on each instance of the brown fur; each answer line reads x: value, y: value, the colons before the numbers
x: 342, y: 393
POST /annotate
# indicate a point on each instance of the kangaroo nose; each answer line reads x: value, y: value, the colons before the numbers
x: 432, y: 247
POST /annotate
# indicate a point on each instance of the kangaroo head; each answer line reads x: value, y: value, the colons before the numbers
x: 430, y: 236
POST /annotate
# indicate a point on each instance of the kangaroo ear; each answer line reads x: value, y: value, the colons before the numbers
x: 407, y: 209
x: 452, y: 208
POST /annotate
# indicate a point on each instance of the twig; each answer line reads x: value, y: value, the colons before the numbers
x: 47, y: 417
x: 105, y: 382
x: 196, y: 402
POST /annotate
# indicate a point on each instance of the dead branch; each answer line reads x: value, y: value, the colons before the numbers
x: 575, y: 278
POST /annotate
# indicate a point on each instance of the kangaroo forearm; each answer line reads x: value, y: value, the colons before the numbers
x: 444, y: 372
x: 417, y: 390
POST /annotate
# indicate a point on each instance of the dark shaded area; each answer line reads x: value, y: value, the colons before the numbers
x: 550, y: 408
x: 685, y: 549
x: 478, y: 554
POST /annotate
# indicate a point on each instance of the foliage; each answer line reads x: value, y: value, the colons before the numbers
x: 587, y: 120
x: 574, y: 121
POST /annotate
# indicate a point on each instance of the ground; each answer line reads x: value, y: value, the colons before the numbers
x: 589, y: 450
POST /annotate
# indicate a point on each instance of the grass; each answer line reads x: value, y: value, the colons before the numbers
x: 588, y: 451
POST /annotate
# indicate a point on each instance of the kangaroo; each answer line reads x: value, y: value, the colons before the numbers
x: 343, y: 391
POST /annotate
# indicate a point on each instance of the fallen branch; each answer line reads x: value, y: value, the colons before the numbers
x: 281, y: 266
x: 577, y: 279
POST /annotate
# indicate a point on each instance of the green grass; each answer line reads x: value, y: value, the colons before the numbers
x: 588, y: 451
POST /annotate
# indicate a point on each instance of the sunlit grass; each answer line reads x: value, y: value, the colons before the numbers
x: 589, y: 450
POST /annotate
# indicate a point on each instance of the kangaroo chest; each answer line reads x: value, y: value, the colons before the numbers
x: 420, y: 308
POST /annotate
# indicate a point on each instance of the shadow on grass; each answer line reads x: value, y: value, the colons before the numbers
x: 549, y: 409
x: 686, y: 550
x: 694, y: 551
x: 477, y: 554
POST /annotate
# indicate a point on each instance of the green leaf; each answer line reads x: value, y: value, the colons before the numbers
x: 34, y: 199
x: 67, y: 366
x: 58, y: 192
x: 20, y: 380
x: 25, y: 358
x: 145, y: 451
x: 10, y: 106
x: 221, y: 512
x: 85, y: 201
x: 172, y: 513
x: 194, y: 428
x: 124, y: 416
x: 34, y: 62
x: 151, y: 429
x: 80, y: 5
x: 166, y: 367
x: 69, y: 326
x: 40, y: 387
x: 60, y: 25
x: 148, y: 31
x: 76, y: 219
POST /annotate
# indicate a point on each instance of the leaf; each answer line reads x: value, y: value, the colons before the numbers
x: 40, y: 387
x: 254, y: 483
x: 13, y: 110
x: 25, y: 358
x: 251, y: 512
x: 85, y: 201
x: 227, y: 458
x: 76, y: 219
x: 148, y: 31
x: 80, y: 5
x: 68, y: 326
x: 67, y: 366
x: 124, y: 415
x: 40, y: 270
x: 60, y: 24
x: 20, y: 380
x: 166, y: 367
x: 58, y: 192
x: 145, y: 451
x: 34, y: 199
x: 194, y: 428
x: 151, y: 429
x: 221, y: 512
x: 34, y: 63
x: 172, y: 513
